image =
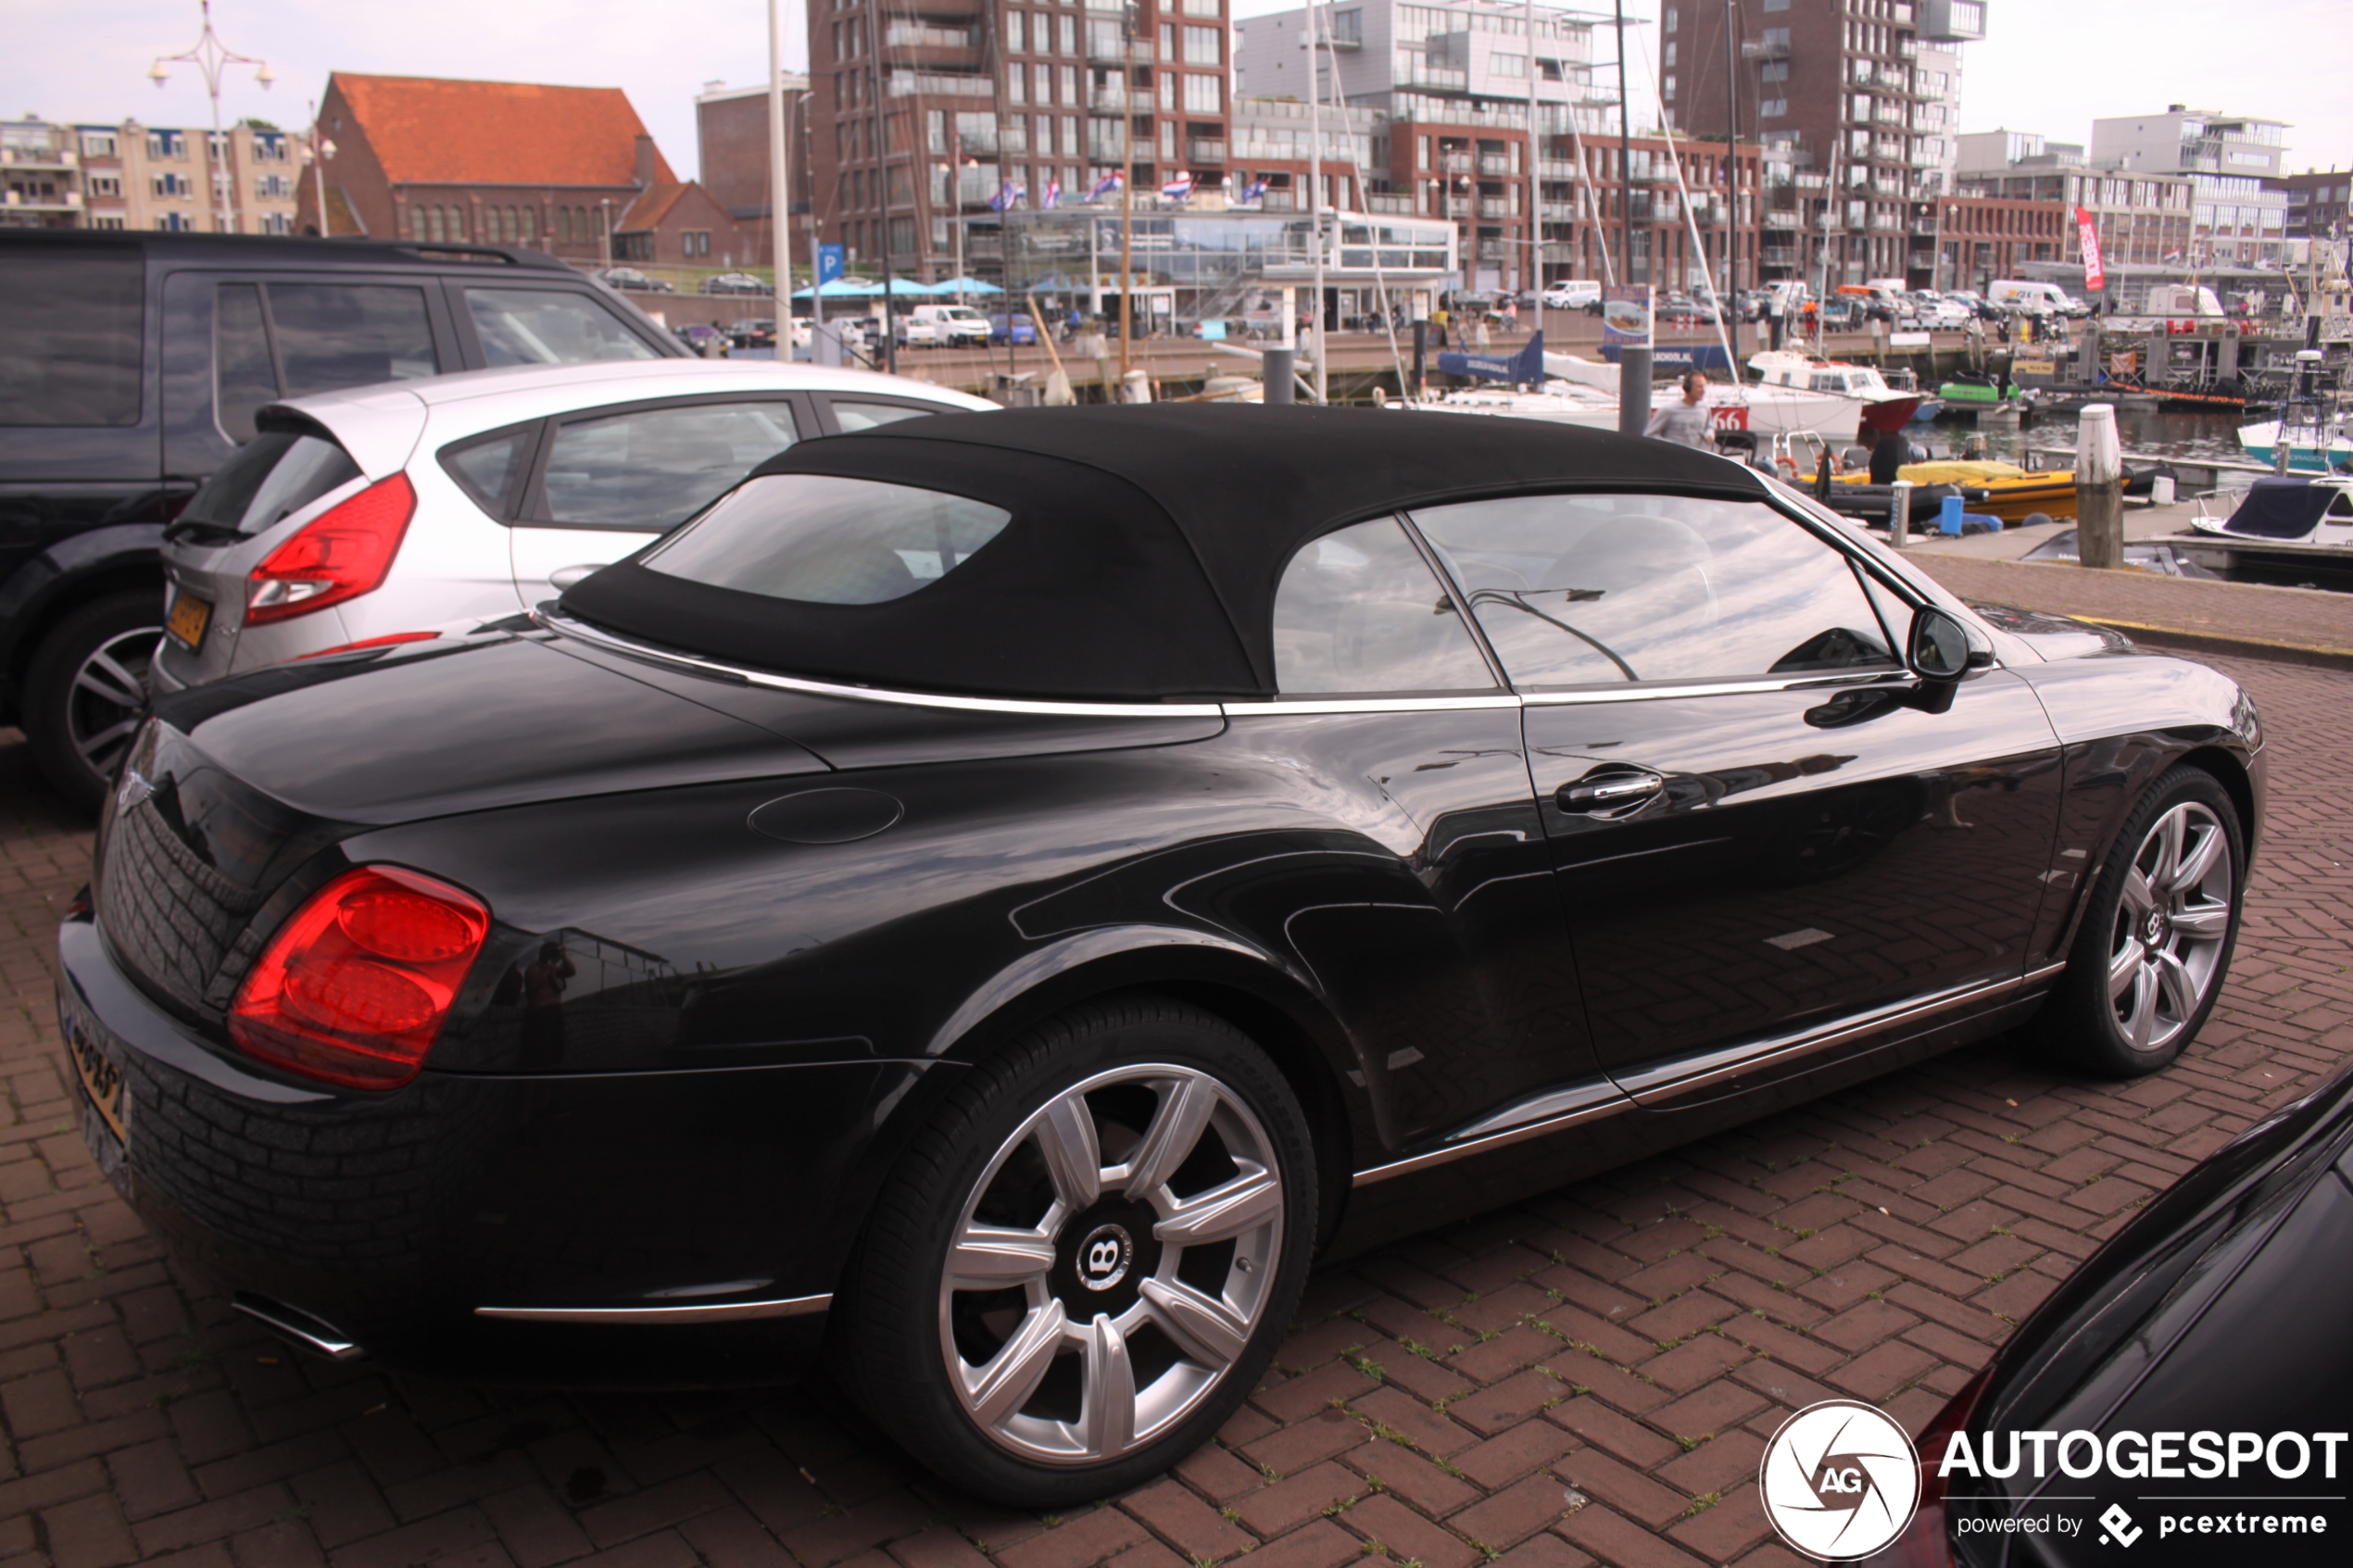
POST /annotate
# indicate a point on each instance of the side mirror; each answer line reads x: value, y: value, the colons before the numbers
x: 1938, y: 648
x: 1939, y: 654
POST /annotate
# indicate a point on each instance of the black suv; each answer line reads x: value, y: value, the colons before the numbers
x: 132, y: 364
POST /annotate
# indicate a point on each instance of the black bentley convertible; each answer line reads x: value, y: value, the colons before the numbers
x: 999, y: 893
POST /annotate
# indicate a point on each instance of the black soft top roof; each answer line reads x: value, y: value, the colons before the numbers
x: 1145, y: 546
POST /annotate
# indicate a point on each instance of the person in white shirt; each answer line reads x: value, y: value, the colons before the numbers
x: 1686, y: 422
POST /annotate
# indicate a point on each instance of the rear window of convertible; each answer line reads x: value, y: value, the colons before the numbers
x: 819, y: 539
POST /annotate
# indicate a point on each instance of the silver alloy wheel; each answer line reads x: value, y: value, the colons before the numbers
x: 2170, y: 925
x: 1111, y: 1264
x: 107, y: 698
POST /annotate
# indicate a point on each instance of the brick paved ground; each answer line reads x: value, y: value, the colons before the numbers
x: 1587, y: 1377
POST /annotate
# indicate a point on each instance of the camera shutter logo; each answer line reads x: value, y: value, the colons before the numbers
x: 1840, y: 1480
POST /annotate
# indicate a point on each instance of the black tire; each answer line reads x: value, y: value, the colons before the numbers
x: 76, y: 719
x: 2086, y: 1023
x: 907, y: 1339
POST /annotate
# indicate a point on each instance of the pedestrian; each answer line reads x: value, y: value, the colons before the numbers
x: 1684, y: 423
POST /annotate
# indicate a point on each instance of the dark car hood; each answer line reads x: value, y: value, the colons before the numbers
x: 2053, y: 637
x: 401, y: 735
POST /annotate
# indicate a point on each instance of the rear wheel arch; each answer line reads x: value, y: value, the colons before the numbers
x: 1232, y: 983
x: 69, y: 595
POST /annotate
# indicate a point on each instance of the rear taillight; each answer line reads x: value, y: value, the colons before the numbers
x: 1927, y: 1541
x: 340, y: 554
x: 356, y: 985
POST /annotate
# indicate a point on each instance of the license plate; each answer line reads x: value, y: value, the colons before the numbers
x: 102, y: 1081
x: 190, y: 615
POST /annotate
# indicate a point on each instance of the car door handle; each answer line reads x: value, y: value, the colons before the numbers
x: 1609, y: 792
x: 565, y: 576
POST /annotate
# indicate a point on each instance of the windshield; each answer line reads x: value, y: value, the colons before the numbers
x: 267, y: 479
x: 820, y: 539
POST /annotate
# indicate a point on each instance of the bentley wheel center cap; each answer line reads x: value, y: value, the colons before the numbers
x: 1104, y: 1257
x: 2157, y: 928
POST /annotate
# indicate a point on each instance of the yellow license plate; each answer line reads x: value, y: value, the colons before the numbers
x: 102, y: 1081
x: 190, y: 615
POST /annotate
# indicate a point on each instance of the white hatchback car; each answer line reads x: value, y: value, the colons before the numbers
x: 394, y: 512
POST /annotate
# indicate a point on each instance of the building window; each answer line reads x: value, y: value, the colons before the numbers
x: 1773, y: 109
x: 1777, y: 4
x: 1196, y: 7
x: 1776, y: 38
x: 1671, y: 18
x: 109, y: 185
x: 1666, y: 88
x: 1015, y: 25
x: 1204, y: 95
x: 1669, y: 62
x: 1203, y: 45
x: 97, y: 143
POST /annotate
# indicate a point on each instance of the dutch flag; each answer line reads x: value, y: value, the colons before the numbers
x: 1180, y: 188
x: 1106, y: 186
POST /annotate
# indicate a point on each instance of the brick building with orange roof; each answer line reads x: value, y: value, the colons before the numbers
x: 569, y: 171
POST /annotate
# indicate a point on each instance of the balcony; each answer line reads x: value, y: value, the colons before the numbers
x: 1560, y: 212
x: 1205, y: 151
x: 1495, y: 166
x: 1494, y: 250
x: 1781, y: 255
x: 1412, y: 72
x: 1454, y: 163
x: 1495, y: 206
x: 1557, y: 168
x: 37, y: 157
x: 1108, y: 52
x: 936, y: 84
x: 1765, y: 49
x: 1782, y: 217
x: 1397, y: 201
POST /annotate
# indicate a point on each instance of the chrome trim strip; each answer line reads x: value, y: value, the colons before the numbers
x: 1889, y: 679
x: 1594, y: 1099
x: 566, y: 627
x: 1678, y: 1078
x: 1286, y: 707
x: 293, y: 1322
x: 726, y: 1311
x: 2048, y: 972
x: 1610, y: 1103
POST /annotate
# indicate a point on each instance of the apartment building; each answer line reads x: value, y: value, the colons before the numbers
x: 1856, y: 103
x: 731, y: 134
x: 133, y: 176
x: 2317, y: 203
x: 930, y: 114
x: 2232, y: 159
x: 1469, y: 105
x: 40, y: 176
x: 2142, y: 219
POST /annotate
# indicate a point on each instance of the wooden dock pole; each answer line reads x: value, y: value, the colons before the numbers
x: 2099, y: 489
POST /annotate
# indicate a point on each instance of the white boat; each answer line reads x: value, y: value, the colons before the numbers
x: 1584, y: 392
x: 2313, y: 447
x: 2288, y: 510
x: 1860, y: 395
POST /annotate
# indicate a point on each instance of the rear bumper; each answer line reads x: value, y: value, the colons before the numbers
x: 642, y: 1229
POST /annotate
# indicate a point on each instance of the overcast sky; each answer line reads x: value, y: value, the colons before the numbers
x: 2051, y: 65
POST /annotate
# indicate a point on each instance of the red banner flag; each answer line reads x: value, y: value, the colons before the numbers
x: 2095, y: 275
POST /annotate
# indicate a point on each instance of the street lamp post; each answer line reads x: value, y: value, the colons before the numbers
x: 317, y: 155
x: 780, y: 183
x: 210, y: 56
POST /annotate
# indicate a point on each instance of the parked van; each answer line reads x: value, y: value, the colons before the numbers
x: 943, y: 326
x: 2038, y: 298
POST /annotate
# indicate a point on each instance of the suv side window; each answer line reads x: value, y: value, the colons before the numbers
x: 72, y: 336
x: 548, y: 327
x: 651, y: 468
x: 1358, y: 612
x: 1574, y: 590
x: 283, y: 340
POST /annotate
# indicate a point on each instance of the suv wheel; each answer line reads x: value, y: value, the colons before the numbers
x: 87, y: 690
x: 1083, y: 1265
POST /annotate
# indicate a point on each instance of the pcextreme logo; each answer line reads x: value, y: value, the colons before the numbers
x: 1840, y: 1480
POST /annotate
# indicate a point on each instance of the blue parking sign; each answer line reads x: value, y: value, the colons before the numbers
x: 832, y: 261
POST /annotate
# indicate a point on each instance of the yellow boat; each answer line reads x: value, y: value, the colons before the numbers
x: 2011, y: 491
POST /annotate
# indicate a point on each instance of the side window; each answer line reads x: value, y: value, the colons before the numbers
x: 652, y: 468
x: 490, y: 468
x: 1573, y: 590
x: 549, y: 327
x: 852, y: 416
x: 71, y: 335
x: 333, y: 335
x: 1358, y: 611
